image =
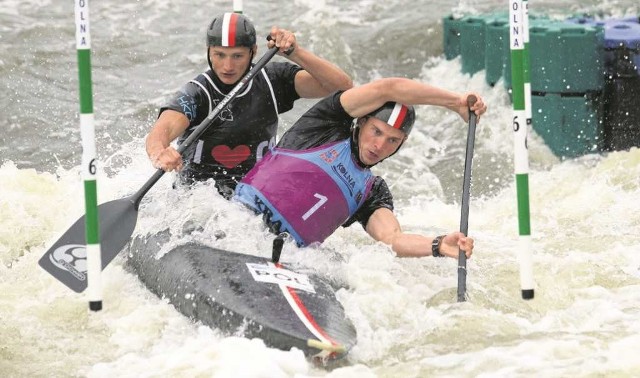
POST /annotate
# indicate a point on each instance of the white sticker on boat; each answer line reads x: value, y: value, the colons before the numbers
x: 280, y: 276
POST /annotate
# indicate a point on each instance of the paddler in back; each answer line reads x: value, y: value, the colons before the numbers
x: 246, y: 129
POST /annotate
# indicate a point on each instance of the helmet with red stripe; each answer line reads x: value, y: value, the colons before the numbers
x: 231, y: 30
x: 396, y: 115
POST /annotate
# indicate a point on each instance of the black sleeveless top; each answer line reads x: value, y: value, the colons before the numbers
x: 327, y: 122
x: 243, y: 131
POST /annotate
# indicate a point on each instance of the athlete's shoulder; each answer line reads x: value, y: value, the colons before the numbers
x: 197, y: 87
x: 330, y: 107
x: 379, y: 197
x: 380, y: 191
x: 282, y: 69
x: 204, y: 78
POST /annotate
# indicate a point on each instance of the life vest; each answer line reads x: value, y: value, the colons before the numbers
x: 307, y: 193
x: 245, y: 129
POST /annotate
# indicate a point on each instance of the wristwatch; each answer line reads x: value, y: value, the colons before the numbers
x: 435, y: 246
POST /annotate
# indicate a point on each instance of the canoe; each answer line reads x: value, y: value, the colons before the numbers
x: 243, y: 294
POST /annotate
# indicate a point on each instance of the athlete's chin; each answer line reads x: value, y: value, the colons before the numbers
x: 228, y: 79
x: 368, y: 160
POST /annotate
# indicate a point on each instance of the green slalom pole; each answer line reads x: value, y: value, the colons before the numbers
x: 89, y: 169
x: 521, y: 96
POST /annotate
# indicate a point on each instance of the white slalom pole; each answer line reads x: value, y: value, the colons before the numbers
x: 89, y: 169
x: 518, y: 30
x: 526, y: 249
x: 237, y: 6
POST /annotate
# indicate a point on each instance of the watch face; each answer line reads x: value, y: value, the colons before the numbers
x: 435, y: 246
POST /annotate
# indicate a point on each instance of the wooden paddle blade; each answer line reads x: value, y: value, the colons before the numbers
x: 66, y: 260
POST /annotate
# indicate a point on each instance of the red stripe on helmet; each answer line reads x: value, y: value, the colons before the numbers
x: 233, y: 22
x: 398, y: 115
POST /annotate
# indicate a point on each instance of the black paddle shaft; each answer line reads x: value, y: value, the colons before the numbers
x: 466, y: 188
x: 66, y: 258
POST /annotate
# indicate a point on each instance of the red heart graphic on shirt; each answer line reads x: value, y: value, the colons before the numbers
x: 230, y: 157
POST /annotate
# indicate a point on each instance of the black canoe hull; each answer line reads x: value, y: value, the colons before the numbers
x: 246, y: 295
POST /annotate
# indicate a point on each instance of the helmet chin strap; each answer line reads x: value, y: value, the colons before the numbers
x: 355, y: 146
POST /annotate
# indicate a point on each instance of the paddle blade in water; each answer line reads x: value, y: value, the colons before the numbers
x: 66, y: 260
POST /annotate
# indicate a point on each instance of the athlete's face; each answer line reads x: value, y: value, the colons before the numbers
x: 230, y: 63
x: 378, y: 140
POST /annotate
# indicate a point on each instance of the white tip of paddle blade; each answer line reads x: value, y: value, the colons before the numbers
x: 337, y: 348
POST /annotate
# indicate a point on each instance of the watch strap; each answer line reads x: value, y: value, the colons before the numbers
x: 435, y: 246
